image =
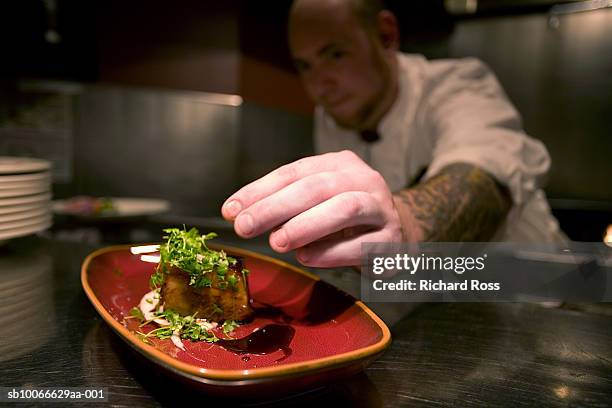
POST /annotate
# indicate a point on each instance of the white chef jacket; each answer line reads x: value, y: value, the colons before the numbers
x: 451, y: 111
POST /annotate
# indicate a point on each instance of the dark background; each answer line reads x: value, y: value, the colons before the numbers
x: 118, y: 103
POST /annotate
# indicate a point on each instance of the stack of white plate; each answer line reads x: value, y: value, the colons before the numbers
x: 25, y: 196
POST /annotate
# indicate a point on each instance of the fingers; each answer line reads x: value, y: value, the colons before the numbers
x: 295, y: 199
x: 341, y: 251
x: 327, y: 205
x: 284, y: 176
x: 331, y: 219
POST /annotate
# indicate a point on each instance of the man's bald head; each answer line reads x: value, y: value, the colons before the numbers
x: 366, y: 11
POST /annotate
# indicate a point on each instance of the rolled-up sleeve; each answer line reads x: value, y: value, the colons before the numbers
x: 472, y: 121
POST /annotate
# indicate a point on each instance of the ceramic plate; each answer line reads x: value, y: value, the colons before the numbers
x: 36, y: 220
x: 13, y: 185
x: 25, y: 230
x: 123, y: 208
x: 24, y: 215
x: 17, y: 165
x: 23, y: 191
x: 11, y: 209
x: 335, y: 335
x: 36, y: 198
x: 22, y: 178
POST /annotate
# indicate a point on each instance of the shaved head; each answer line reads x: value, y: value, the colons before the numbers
x: 365, y: 10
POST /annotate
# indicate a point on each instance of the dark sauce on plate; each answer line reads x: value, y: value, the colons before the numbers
x: 266, y: 340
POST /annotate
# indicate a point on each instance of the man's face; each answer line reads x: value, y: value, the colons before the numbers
x: 341, y: 65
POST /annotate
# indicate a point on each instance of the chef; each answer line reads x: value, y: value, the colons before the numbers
x: 410, y: 149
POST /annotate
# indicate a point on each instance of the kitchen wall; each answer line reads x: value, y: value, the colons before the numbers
x: 179, y: 145
x: 188, y: 45
x: 150, y: 143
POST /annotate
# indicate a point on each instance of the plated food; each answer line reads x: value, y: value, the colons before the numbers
x: 197, y: 280
x: 194, y: 289
x: 89, y: 206
x: 109, y: 208
x: 299, y: 333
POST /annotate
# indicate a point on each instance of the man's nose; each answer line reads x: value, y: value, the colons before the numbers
x: 321, y: 83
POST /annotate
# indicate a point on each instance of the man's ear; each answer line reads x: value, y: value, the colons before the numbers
x: 388, y: 30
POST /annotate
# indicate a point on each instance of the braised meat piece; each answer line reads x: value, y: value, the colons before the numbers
x: 224, y: 296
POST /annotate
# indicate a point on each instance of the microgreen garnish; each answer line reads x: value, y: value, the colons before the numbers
x: 143, y: 337
x: 229, y: 326
x: 232, y: 280
x: 186, y: 327
x: 187, y: 251
x: 135, y: 313
x: 157, y: 279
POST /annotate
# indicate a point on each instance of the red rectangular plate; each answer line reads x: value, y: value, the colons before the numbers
x: 335, y: 335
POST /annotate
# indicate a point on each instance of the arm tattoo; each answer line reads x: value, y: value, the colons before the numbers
x: 461, y: 203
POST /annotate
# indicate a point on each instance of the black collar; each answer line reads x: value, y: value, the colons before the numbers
x: 369, y: 136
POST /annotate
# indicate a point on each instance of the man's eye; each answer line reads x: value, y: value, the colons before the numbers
x: 302, y: 66
x: 336, y: 54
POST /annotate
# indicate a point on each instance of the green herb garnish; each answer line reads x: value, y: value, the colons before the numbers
x: 143, y: 337
x: 232, y: 280
x: 187, y: 251
x: 105, y: 205
x: 185, y: 327
x: 136, y: 313
x: 229, y: 326
x: 157, y: 279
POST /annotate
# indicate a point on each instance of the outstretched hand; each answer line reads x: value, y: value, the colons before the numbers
x: 322, y: 206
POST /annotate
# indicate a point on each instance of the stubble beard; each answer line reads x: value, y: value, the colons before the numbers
x: 369, y: 116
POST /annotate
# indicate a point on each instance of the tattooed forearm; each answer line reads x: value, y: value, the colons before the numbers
x: 461, y: 203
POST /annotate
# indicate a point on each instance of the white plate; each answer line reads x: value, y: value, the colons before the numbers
x: 123, y: 207
x: 41, y: 219
x: 24, y: 215
x: 11, y: 209
x: 19, y: 192
x: 42, y: 176
x: 23, y: 231
x: 24, y: 184
x: 24, y: 200
x: 17, y: 165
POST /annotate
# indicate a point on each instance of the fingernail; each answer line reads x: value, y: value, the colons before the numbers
x: 245, y: 224
x: 280, y: 238
x: 302, y: 256
x: 232, y: 208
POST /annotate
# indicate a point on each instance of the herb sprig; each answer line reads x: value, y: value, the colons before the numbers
x: 187, y: 250
x: 229, y: 326
x: 186, y: 327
